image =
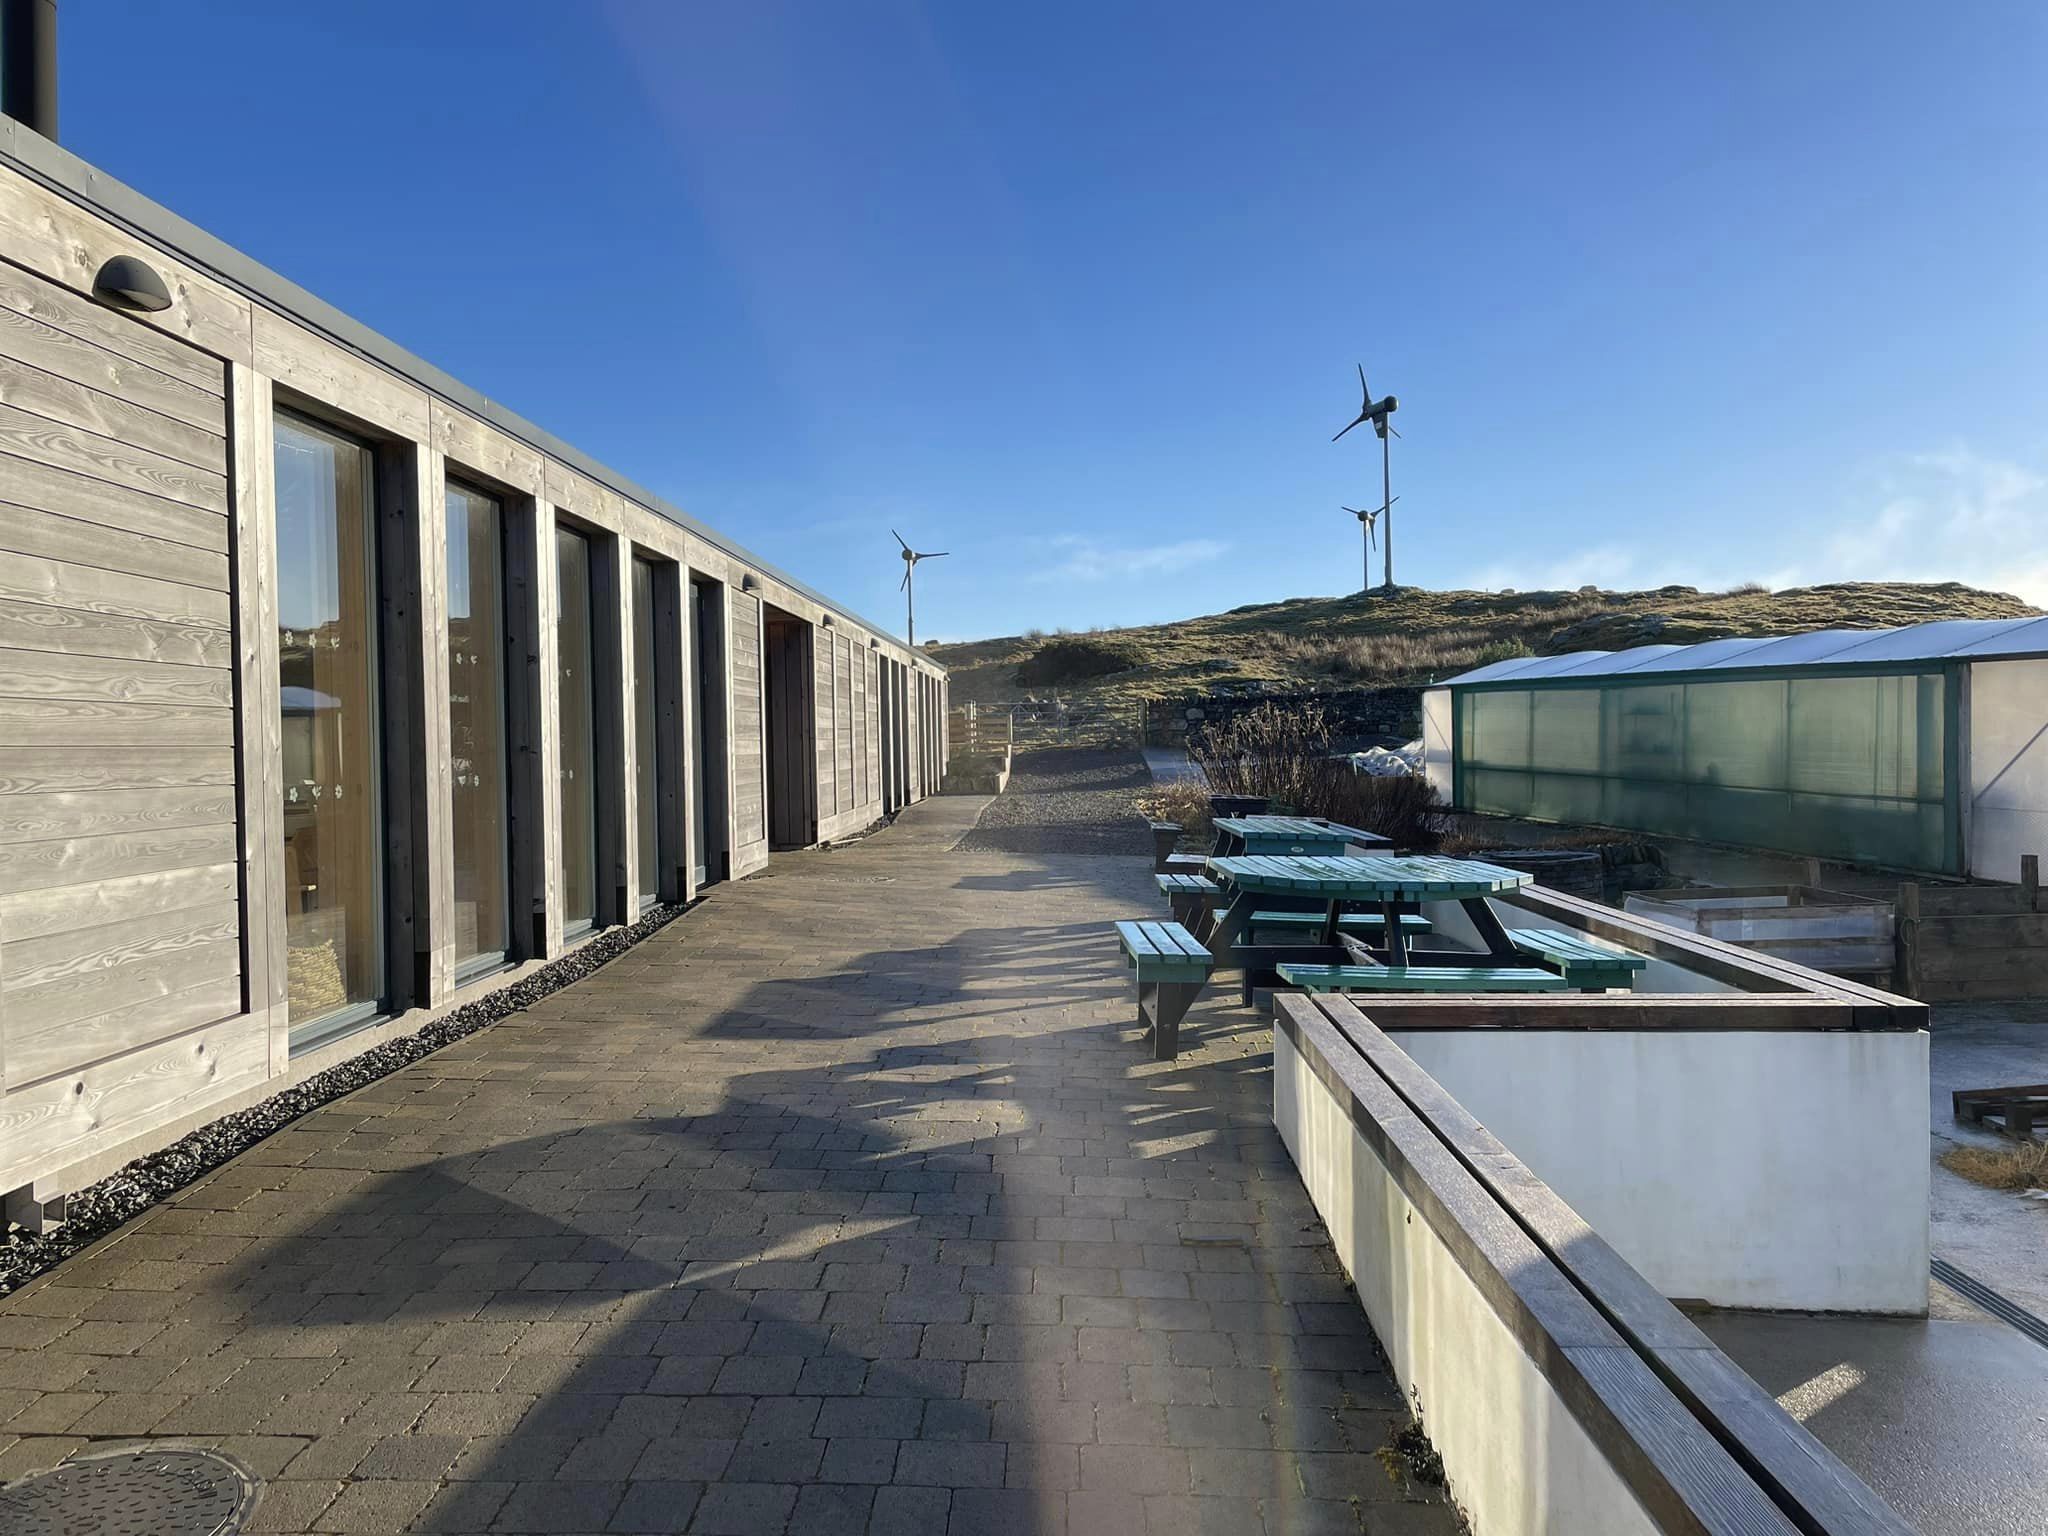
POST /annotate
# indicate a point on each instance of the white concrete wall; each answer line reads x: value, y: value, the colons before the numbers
x: 1436, y: 740
x: 2008, y: 779
x: 1518, y: 1462
x: 1748, y: 1168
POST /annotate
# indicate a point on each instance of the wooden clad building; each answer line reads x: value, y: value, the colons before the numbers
x: 332, y: 694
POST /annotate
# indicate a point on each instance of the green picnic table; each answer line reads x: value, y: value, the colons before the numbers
x: 1238, y: 835
x: 1397, y: 884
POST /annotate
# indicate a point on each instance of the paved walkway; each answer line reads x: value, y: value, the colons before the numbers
x: 848, y: 1202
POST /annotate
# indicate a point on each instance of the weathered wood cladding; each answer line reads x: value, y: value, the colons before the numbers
x: 120, y: 917
x: 143, y: 957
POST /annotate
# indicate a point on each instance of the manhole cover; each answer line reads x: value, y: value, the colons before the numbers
x: 131, y: 1493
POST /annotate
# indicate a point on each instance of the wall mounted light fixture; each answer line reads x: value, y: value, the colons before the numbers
x: 749, y: 583
x: 129, y: 282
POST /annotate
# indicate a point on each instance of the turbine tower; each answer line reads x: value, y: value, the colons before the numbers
x: 910, y: 559
x: 1365, y: 521
x: 1377, y: 412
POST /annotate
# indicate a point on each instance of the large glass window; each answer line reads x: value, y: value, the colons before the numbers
x: 327, y: 663
x: 476, y: 723
x: 646, y: 756
x: 573, y: 654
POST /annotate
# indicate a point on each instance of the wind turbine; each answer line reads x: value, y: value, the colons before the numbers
x: 1365, y: 522
x: 1377, y: 412
x: 910, y: 559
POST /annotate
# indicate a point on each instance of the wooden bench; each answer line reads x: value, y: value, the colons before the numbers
x: 1419, y: 978
x: 1372, y: 923
x: 1165, y: 835
x: 1172, y: 967
x: 1184, y: 864
x: 1191, y: 897
x: 1587, y: 963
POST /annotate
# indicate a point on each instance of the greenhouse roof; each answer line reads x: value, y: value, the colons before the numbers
x: 1941, y: 640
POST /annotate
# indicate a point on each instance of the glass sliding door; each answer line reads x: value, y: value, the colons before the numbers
x: 476, y: 725
x: 647, y: 764
x: 574, y: 653
x: 327, y: 663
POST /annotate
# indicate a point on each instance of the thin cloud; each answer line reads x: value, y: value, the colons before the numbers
x: 1955, y: 515
x: 1085, y: 559
x: 1952, y: 515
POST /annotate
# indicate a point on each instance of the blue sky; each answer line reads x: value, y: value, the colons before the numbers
x: 1698, y: 294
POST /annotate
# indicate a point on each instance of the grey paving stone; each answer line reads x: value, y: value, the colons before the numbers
x: 1005, y: 1512
x: 853, y: 1460
x: 950, y: 1465
x: 743, y: 1226
x: 548, y: 1506
x: 832, y: 1509
x: 901, y: 1511
x: 745, y: 1509
x: 656, y: 1506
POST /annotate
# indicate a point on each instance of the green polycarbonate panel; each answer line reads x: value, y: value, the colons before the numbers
x: 1645, y: 735
x: 1497, y: 729
x: 1735, y: 734
x: 1564, y: 732
x: 1850, y: 767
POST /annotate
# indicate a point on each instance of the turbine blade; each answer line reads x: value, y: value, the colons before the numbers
x: 905, y: 581
x: 897, y: 537
x: 1393, y: 429
x: 1347, y: 429
x: 1361, y: 384
x: 935, y: 554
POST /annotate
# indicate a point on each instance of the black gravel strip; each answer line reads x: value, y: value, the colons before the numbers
x: 123, y: 1195
x: 1067, y: 800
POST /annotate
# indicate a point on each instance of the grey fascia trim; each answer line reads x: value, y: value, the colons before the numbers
x: 63, y: 172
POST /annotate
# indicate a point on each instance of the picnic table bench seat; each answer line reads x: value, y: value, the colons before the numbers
x: 1420, y: 978
x: 1190, y: 896
x: 1590, y: 964
x: 1171, y: 966
x: 1183, y: 864
x: 1347, y: 922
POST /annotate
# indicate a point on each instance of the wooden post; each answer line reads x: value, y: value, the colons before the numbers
x: 437, y: 827
x: 420, y: 809
x: 532, y: 729
x: 2030, y: 881
x: 1907, y: 937
x: 261, y: 720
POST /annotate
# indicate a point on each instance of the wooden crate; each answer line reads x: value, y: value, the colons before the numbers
x: 1833, y: 931
x: 1974, y: 943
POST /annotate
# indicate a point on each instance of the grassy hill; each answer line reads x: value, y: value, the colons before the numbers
x: 1411, y: 635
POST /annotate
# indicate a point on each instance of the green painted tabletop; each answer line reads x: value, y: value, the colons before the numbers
x: 1369, y: 877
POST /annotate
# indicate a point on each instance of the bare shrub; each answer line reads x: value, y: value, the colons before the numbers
x: 1406, y: 811
x: 1185, y: 801
x: 1283, y: 753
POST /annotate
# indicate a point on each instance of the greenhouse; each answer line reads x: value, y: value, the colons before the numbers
x: 1923, y: 748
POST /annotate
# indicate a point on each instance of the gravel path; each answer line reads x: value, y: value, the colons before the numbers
x: 1067, y: 800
